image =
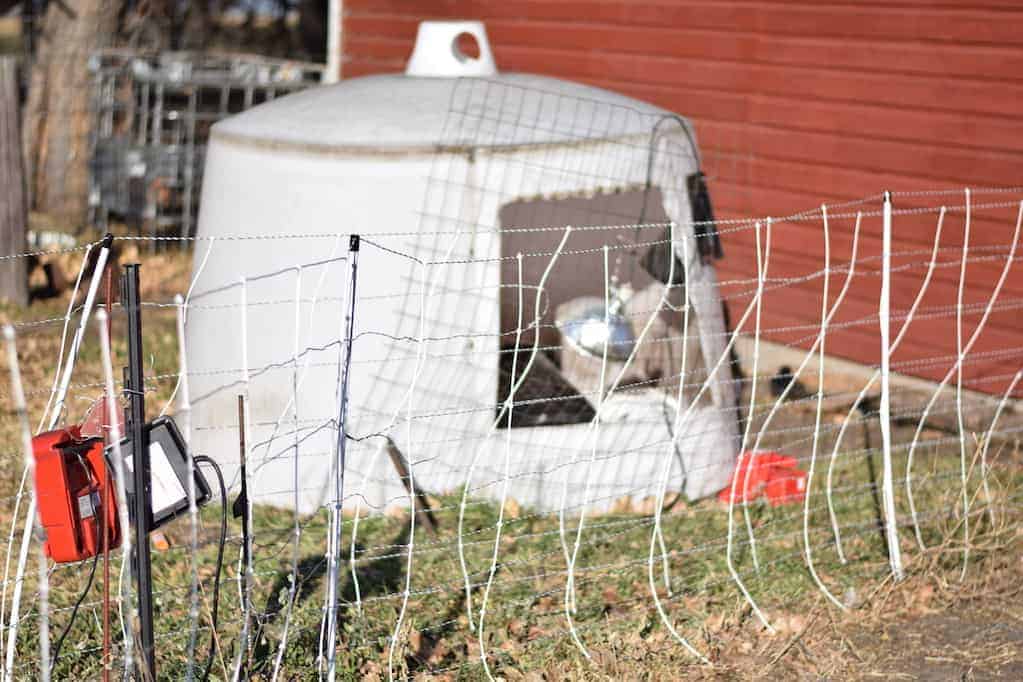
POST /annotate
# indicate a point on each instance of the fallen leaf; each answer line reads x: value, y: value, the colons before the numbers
x: 516, y: 627
x: 714, y: 622
x: 535, y: 632
x: 415, y: 640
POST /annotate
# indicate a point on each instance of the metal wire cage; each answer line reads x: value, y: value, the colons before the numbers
x: 152, y: 114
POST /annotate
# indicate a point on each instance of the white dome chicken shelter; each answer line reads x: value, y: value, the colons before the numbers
x: 448, y: 172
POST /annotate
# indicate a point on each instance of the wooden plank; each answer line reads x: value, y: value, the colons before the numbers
x: 897, y: 24
x: 882, y: 122
x: 916, y: 355
x: 13, y: 200
x: 995, y: 226
x: 934, y: 162
x: 796, y: 252
x: 924, y: 93
x: 935, y: 315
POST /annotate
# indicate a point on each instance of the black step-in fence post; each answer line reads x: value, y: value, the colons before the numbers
x: 241, y: 509
x: 337, y: 518
x: 135, y: 388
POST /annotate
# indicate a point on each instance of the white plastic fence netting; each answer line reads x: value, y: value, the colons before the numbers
x: 527, y: 545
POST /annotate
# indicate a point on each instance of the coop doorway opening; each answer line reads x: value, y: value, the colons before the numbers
x: 562, y: 383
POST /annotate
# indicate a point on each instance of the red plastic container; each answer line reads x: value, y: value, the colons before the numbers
x: 769, y: 474
x: 72, y: 484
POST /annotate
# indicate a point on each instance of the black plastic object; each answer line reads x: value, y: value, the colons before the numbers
x: 708, y: 242
x: 135, y: 390
x: 657, y: 259
x: 169, y: 472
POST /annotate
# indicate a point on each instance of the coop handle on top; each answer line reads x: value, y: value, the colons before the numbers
x: 437, y: 53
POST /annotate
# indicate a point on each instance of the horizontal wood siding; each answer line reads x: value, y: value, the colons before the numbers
x: 799, y: 103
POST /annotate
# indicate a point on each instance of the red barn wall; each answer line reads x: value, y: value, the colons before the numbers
x: 799, y: 103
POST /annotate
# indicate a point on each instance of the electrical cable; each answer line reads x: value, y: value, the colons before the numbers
x: 679, y: 277
x: 220, y: 560
x: 708, y: 245
x: 870, y: 409
x: 101, y: 517
x: 216, y: 584
x: 74, y: 611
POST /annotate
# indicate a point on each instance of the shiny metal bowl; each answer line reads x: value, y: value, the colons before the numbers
x: 592, y: 326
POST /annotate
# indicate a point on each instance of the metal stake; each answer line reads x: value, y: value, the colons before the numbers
x: 241, y: 509
x: 135, y: 388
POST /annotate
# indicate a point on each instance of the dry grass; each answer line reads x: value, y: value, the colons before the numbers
x: 930, y: 625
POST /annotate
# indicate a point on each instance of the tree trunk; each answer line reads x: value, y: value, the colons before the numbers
x: 59, y: 113
x: 13, y: 207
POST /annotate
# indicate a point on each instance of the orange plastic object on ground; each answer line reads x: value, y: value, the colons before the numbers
x: 71, y: 477
x: 771, y: 475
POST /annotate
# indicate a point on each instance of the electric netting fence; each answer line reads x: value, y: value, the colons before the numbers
x: 465, y: 494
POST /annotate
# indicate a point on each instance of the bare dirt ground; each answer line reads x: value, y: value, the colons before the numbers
x: 977, y: 635
x: 931, y: 628
x: 925, y: 629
